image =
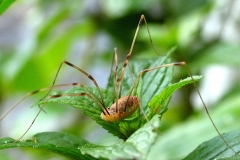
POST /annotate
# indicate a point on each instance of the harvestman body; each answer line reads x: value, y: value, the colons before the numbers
x: 123, y: 106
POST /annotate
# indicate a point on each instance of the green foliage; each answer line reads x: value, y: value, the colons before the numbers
x: 158, y: 103
x: 61, y: 143
x: 174, y: 23
x: 217, y: 149
x: 137, y: 146
x: 139, y: 137
x: 159, y: 79
x: 4, y: 4
x: 184, y: 134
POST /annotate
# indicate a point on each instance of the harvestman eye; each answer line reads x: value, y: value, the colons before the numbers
x: 123, y: 106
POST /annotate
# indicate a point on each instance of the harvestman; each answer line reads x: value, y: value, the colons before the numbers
x: 123, y: 106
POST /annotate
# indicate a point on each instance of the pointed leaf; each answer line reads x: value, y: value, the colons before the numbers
x: 158, y: 105
x: 151, y: 84
x: 136, y: 146
x: 217, y: 149
x: 61, y: 143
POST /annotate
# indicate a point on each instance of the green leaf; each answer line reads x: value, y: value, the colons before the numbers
x: 158, y: 105
x: 61, y: 143
x: 87, y: 106
x: 153, y: 100
x: 138, y: 134
x: 4, y: 4
x: 217, y: 149
x: 152, y: 84
x: 196, y: 129
x: 136, y: 146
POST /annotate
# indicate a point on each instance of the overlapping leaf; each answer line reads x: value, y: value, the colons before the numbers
x: 155, y: 93
x: 152, y: 83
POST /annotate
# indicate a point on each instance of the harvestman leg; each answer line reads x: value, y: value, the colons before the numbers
x: 121, y: 75
x: 119, y: 80
x: 195, y: 85
x: 97, y: 101
x: 82, y: 71
x: 29, y: 94
x: 100, y: 102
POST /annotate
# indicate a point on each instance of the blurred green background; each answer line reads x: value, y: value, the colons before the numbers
x: 35, y: 36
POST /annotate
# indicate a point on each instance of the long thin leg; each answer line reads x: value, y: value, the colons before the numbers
x: 132, y: 46
x: 121, y: 75
x: 56, y: 96
x: 31, y: 93
x: 50, y: 87
x: 82, y: 71
x: 195, y: 85
x: 116, y: 84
